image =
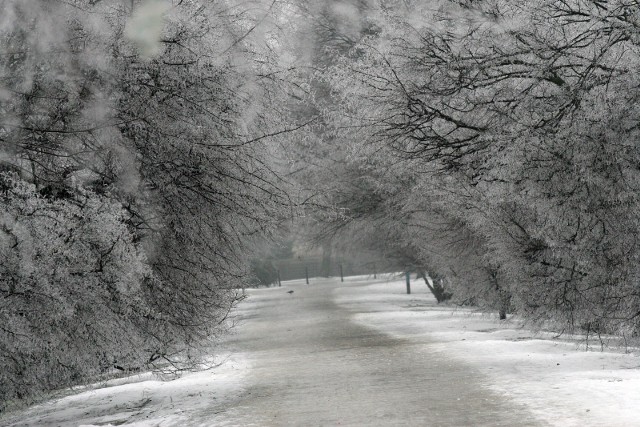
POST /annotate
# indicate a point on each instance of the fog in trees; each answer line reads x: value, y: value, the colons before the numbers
x: 156, y: 156
x: 137, y: 141
x: 513, y: 129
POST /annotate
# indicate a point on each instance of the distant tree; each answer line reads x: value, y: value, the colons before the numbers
x: 264, y: 270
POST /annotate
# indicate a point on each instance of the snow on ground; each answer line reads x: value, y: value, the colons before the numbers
x: 560, y: 382
x: 141, y: 400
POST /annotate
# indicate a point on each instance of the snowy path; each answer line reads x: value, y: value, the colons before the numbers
x: 312, y: 365
x: 365, y: 353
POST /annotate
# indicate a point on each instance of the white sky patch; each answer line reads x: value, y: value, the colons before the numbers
x: 349, y: 18
x: 5, y: 95
x: 145, y: 26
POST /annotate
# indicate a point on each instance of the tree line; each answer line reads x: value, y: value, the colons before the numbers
x: 136, y: 142
x: 147, y: 148
x: 493, y: 146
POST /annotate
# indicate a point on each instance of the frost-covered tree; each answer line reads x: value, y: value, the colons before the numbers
x: 71, y: 278
x: 144, y: 131
x: 325, y: 31
x: 525, y: 114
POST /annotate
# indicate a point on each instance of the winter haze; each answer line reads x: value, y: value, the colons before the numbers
x: 377, y: 212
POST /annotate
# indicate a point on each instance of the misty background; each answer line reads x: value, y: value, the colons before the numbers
x: 159, y: 156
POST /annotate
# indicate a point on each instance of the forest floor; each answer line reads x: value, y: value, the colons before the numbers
x: 365, y: 353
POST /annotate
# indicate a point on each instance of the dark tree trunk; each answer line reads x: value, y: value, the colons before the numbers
x: 503, y: 296
x: 326, y: 267
x: 437, y: 289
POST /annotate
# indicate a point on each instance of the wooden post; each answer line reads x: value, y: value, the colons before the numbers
x: 374, y: 272
x: 341, y: 274
x: 408, y: 277
x: 306, y: 273
x: 279, y: 281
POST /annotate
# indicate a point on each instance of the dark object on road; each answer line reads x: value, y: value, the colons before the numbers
x: 289, y: 292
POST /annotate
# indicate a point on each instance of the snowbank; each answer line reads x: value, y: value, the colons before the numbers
x: 560, y: 382
x: 142, y: 400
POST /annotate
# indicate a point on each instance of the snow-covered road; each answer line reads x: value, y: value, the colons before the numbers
x: 313, y: 365
x: 365, y: 353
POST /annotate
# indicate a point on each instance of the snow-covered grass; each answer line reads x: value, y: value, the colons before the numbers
x: 560, y: 382
x: 141, y: 400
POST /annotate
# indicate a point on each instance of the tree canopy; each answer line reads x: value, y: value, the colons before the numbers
x: 148, y: 147
x: 514, y: 127
x: 137, y: 165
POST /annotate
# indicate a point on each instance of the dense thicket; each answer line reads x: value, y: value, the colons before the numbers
x: 135, y: 169
x: 515, y: 128
x: 489, y: 145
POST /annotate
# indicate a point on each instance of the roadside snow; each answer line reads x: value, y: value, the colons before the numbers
x: 142, y: 400
x: 559, y: 382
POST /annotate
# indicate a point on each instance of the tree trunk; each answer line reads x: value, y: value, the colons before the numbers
x: 503, y: 296
x: 325, y: 267
x: 437, y: 289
